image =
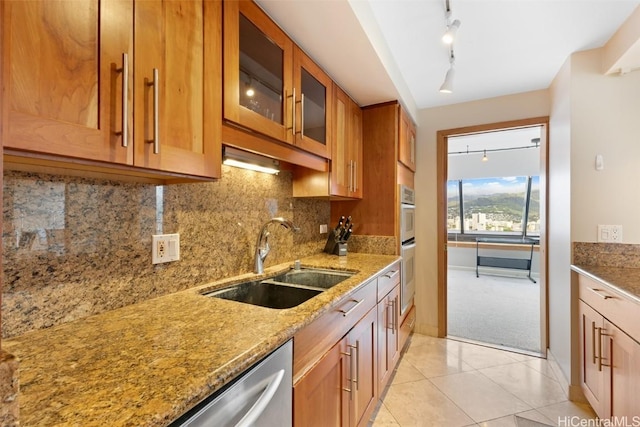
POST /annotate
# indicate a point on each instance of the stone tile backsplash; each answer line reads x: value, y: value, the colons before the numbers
x: 74, y: 247
x: 606, y: 254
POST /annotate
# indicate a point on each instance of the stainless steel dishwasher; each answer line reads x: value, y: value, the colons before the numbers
x: 262, y: 396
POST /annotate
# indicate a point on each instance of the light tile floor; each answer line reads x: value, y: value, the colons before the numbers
x: 441, y: 382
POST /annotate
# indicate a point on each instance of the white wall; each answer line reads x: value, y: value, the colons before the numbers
x: 605, y: 119
x: 559, y: 221
x: 431, y: 120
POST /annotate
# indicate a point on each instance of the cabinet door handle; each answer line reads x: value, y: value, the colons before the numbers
x: 293, y: 112
x: 350, y: 389
x: 600, y: 293
x: 346, y: 313
x: 356, y: 360
x: 351, y: 176
x: 355, y: 176
x: 302, y: 115
x: 395, y: 314
x: 593, y: 342
x: 389, y: 315
x: 600, y: 335
x: 125, y: 105
x: 156, y: 111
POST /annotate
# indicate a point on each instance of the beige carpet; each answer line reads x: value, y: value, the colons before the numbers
x: 494, y: 309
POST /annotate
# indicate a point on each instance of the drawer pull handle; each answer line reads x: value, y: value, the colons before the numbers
x: 391, y: 274
x: 346, y: 313
x: 599, y: 293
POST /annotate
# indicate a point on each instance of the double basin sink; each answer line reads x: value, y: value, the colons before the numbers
x: 286, y: 290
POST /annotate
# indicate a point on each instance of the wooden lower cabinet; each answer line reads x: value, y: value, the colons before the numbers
x: 609, y: 353
x: 340, y: 390
x: 319, y: 398
x: 406, y: 327
x: 624, y: 373
x: 388, y: 336
x: 592, y: 380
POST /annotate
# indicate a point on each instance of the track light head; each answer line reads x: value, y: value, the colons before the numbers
x: 447, y: 85
x: 450, y: 34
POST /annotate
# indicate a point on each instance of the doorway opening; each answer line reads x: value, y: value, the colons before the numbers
x: 492, y: 267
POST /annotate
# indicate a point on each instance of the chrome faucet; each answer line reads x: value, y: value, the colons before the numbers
x: 262, y: 244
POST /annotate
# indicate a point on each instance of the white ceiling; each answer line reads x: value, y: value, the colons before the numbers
x: 380, y: 50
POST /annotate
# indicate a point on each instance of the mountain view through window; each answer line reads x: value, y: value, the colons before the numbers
x: 494, y: 205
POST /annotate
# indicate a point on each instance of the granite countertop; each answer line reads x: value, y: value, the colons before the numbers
x: 624, y: 280
x: 146, y: 364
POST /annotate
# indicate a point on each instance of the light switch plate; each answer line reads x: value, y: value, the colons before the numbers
x: 165, y: 248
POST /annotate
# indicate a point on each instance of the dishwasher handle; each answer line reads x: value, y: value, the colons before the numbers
x: 263, y: 401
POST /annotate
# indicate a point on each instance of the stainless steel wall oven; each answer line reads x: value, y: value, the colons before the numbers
x: 407, y: 247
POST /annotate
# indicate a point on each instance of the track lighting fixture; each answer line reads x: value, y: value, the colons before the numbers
x: 447, y: 85
x: 452, y: 27
x: 450, y: 34
x: 484, y: 157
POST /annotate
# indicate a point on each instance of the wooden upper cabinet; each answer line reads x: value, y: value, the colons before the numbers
x: 314, y: 106
x: 177, y: 86
x: 75, y: 81
x: 258, y: 67
x: 270, y: 85
x: 63, y: 77
x: 407, y: 141
x: 346, y: 163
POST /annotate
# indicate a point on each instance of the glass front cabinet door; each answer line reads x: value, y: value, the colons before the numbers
x: 270, y: 85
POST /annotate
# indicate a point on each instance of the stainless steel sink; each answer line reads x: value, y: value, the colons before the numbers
x: 313, y: 278
x: 285, y: 290
x: 266, y: 294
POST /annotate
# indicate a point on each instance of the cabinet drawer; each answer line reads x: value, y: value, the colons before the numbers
x: 388, y: 279
x: 407, y: 326
x: 616, y: 307
x: 310, y: 343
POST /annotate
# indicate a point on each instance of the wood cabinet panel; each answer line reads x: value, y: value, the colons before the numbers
x: 624, y: 356
x: 281, y: 126
x: 388, y: 336
x: 388, y: 279
x: 71, y: 104
x: 311, y: 342
x: 592, y: 380
x: 314, y: 110
x: 69, y: 101
x: 171, y: 38
x: 611, y: 304
x: 319, y: 398
x: 380, y: 141
x: 407, y: 326
x: 407, y: 142
x: 362, y: 341
x: 609, y: 350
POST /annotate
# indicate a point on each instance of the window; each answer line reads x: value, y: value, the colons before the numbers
x: 500, y: 205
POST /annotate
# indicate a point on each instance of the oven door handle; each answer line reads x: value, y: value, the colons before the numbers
x: 409, y: 245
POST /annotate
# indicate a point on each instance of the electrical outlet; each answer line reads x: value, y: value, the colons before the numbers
x: 609, y: 234
x: 165, y: 248
x: 323, y: 228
